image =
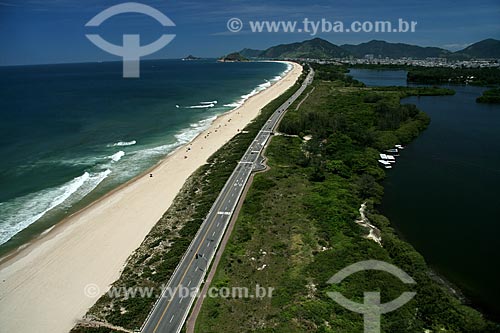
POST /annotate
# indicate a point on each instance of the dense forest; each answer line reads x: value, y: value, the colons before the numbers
x: 439, y: 75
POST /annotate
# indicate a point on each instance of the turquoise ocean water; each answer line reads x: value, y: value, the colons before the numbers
x: 70, y: 133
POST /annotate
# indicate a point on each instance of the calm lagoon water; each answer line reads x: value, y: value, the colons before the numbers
x: 443, y: 195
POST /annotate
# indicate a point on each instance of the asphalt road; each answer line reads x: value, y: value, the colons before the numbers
x: 172, y: 308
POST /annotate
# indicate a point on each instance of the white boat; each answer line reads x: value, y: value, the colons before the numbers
x: 388, y: 158
x: 385, y: 164
x: 393, y: 152
x: 391, y: 159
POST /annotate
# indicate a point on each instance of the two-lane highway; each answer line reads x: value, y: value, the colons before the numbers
x: 170, y: 311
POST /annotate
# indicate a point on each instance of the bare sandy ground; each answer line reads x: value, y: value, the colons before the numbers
x: 51, y: 283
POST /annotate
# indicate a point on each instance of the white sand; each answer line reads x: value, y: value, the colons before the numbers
x: 42, y: 287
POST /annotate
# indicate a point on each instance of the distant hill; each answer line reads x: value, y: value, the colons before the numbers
x: 250, y: 53
x: 488, y: 48
x: 191, y: 57
x: 381, y: 49
x: 315, y: 48
x: 318, y: 48
x: 233, y: 57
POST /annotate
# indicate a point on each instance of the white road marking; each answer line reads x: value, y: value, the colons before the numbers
x: 172, y: 318
x: 189, y: 283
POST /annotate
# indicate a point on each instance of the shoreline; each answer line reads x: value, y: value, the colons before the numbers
x: 93, y: 244
x: 5, y: 257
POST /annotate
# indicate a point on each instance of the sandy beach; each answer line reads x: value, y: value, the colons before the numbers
x: 43, y: 286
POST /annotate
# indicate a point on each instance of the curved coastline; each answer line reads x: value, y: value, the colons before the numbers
x: 32, y: 231
x: 93, y: 244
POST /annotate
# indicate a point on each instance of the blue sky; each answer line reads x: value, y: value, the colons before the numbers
x: 53, y: 31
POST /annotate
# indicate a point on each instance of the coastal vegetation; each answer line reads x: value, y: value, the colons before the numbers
x: 490, y: 96
x: 445, y: 75
x: 155, y: 260
x: 297, y: 226
x: 233, y: 57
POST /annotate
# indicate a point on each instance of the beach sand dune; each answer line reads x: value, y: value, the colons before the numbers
x: 51, y: 283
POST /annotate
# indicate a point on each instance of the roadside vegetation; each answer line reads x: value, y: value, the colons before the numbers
x: 297, y: 226
x: 155, y: 260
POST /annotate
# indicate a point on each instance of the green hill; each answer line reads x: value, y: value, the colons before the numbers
x: 315, y: 48
x: 488, y: 48
x: 233, y: 57
x: 250, y: 53
x: 318, y: 48
x: 382, y: 49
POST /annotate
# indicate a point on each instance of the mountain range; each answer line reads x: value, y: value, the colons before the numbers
x: 321, y: 49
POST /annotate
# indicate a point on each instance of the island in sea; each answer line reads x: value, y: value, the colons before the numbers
x: 190, y: 58
x: 232, y: 57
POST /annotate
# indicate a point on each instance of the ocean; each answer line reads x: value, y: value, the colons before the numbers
x: 442, y: 195
x: 70, y: 133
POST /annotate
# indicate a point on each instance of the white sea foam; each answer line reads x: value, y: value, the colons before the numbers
x: 142, y: 155
x: 187, y: 135
x: 141, y: 159
x: 260, y: 87
x: 247, y: 96
x: 182, y: 137
x: 276, y: 78
x: 265, y: 85
x: 21, y: 212
x: 233, y: 105
x: 211, y: 102
x: 94, y: 180
x: 122, y: 143
x: 243, y: 98
x: 117, y: 156
x: 201, y: 106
